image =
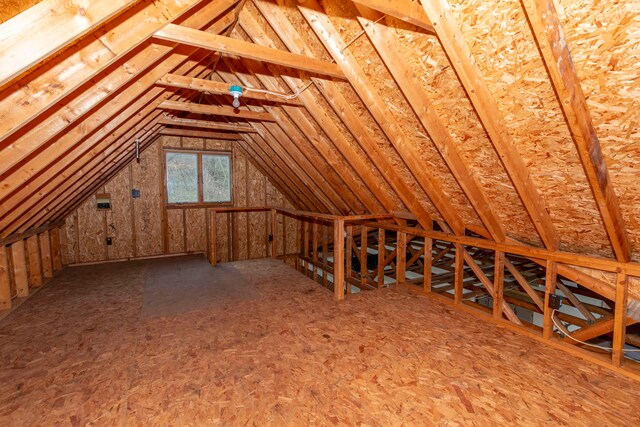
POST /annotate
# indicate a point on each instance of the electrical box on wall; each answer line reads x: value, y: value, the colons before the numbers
x: 103, y: 202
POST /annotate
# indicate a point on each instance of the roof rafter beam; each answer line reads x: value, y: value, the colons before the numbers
x: 331, y: 39
x: 204, y: 124
x: 460, y: 57
x: 53, y: 25
x: 227, y: 45
x: 199, y: 134
x: 215, y: 110
x: 205, y: 85
x: 546, y: 28
x: 384, y: 42
x: 47, y: 88
x: 332, y: 94
x: 403, y: 10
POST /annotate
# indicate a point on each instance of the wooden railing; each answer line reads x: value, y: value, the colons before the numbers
x: 470, y: 267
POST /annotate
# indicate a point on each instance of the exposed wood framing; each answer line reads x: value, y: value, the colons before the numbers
x: 200, y: 134
x: 403, y: 10
x: 215, y: 110
x: 546, y: 28
x: 231, y: 46
x: 204, y: 124
x: 384, y: 42
x: 327, y: 33
x: 210, y: 86
x: 454, y: 44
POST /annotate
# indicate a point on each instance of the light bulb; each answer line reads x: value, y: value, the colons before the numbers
x: 236, y: 102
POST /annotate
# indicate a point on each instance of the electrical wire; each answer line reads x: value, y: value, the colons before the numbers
x: 306, y: 86
x: 553, y: 314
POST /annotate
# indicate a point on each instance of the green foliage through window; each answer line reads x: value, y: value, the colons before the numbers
x: 183, y: 178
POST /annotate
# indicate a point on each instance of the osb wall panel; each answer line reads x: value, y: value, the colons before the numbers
x: 604, y: 42
x: 91, y: 233
x: 505, y: 51
x: 119, y: 217
x: 175, y: 228
x: 147, y: 177
x: 186, y: 227
x: 193, y: 143
x: 11, y: 8
x: 239, y: 222
x: 196, y: 231
x: 69, y: 254
x: 223, y: 231
x: 453, y: 108
x: 257, y: 221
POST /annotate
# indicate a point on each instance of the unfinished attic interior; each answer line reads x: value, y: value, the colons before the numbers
x: 281, y: 212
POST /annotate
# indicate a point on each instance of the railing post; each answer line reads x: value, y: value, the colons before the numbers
x: 305, y: 246
x: 401, y: 257
x: 550, y: 289
x: 458, y: 282
x: 427, y: 263
x: 325, y: 249
x: 348, y: 256
x: 273, y: 233
x: 498, y: 285
x: 314, y: 244
x: 338, y: 259
x: 382, y: 252
x: 364, y: 269
x: 620, y: 319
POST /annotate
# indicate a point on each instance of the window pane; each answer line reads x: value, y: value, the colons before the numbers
x: 216, y: 176
x: 182, y: 178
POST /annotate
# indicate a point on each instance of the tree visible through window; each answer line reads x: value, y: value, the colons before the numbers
x: 198, y: 178
x: 216, y: 178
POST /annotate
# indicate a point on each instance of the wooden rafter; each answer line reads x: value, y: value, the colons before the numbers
x: 270, y: 164
x: 204, y: 124
x: 283, y: 170
x: 302, y: 132
x: 343, y: 109
x: 54, y: 160
x: 384, y: 42
x: 185, y: 35
x: 275, y: 179
x: 206, y: 85
x: 403, y: 10
x: 546, y: 28
x: 327, y: 33
x: 54, y: 126
x: 53, y: 24
x: 172, y: 131
x: 456, y: 48
x: 215, y: 110
x: 332, y: 149
x: 48, y: 87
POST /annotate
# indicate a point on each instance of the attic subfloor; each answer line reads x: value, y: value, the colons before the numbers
x: 174, y: 342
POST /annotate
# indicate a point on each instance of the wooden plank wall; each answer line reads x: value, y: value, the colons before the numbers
x: 146, y: 226
x: 28, y: 263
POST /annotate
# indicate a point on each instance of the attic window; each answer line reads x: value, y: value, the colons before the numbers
x: 198, y: 177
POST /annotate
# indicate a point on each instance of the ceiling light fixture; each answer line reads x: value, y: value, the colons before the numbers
x: 236, y: 92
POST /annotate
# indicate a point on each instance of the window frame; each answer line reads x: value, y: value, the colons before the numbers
x: 199, y: 154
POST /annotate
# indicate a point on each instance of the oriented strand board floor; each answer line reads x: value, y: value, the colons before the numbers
x: 79, y: 352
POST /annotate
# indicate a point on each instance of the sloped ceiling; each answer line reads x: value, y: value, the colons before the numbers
x: 469, y: 113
